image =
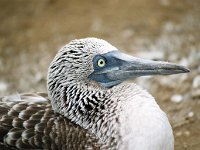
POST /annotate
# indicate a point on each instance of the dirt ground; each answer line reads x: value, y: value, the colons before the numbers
x: 32, y: 31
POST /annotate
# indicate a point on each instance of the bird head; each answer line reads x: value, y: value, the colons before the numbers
x: 93, y: 60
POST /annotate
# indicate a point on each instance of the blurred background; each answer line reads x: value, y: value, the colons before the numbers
x: 31, y: 32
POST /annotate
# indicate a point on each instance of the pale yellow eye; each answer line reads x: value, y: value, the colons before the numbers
x: 101, y: 62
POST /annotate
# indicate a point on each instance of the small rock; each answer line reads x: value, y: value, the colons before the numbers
x: 190, y: 114
x: 196, y: 93
x: 178, y: 133
x: 187, y: 133
x: 177, y: 98
x: 3, y: 86
x: 196, y: 82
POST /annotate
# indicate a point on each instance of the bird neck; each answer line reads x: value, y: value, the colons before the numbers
x: 90, y: 108
x: 103, y: 112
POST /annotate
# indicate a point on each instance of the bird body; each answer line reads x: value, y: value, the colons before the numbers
x: 90, y: 105
x: 34, y: 125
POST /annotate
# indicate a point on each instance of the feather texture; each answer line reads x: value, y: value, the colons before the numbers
x: 27, y: 125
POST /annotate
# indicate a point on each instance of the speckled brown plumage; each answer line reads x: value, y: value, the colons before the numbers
x: 24, y: 125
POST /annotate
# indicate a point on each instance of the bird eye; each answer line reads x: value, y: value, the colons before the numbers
x: 101, y: 62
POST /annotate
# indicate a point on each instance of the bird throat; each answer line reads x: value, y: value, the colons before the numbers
x: 90, y: 109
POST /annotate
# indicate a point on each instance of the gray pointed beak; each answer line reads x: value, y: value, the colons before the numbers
x: 123, y: 67
x: 134, y: 67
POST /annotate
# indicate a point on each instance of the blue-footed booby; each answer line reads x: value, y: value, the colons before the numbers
x: 89, y: 104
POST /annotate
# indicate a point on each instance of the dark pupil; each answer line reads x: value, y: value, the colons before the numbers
x: 101, y: 62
